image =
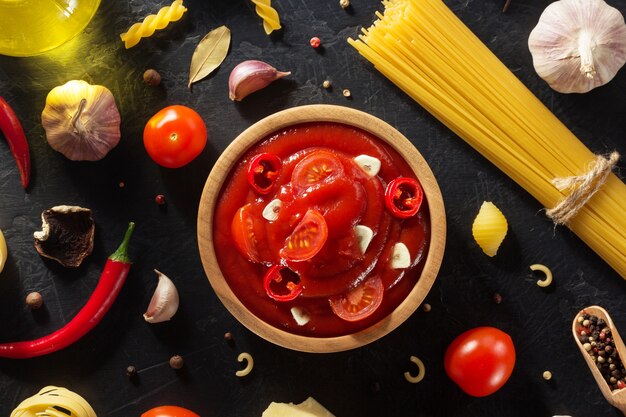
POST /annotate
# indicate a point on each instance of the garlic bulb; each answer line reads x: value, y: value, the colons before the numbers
x: 164, y: 302
x: 578, y: 45
x: 81, y: 120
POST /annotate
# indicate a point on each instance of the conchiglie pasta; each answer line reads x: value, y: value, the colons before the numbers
x: 489, y: 228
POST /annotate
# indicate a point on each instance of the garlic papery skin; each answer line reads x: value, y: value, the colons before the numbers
x: 164, y: 302
x: 578, y: 45
x: 81, y: 120
x: 251, y: 76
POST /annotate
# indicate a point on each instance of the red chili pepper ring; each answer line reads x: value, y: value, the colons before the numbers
x: 403, y: 197
x: 263, y: 170
x: 281, y: 283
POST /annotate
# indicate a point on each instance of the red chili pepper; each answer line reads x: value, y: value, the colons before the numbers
x: 262, y: 172
x: 281, y: 288
x: 403, y: 197
x: 14, y: 134
x: 111, y: 282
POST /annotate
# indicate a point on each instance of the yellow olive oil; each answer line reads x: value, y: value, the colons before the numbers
x: 31, y: 27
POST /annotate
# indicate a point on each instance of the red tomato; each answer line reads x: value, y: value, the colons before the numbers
x: 169, y: 411
x: 307, y: 239
x: 247, y: 229
x: 174, y: 136
x: 317, y: 167
x: 480, y: 360
x: 359, y: 302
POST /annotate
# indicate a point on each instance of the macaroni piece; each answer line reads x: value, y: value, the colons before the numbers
x: 271, y: 20
x: 420, y: 374
x: 245, y: 356
x: 153, y: 22
x: 548, y: 279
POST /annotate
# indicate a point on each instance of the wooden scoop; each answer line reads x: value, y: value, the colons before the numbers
x: 616, y: 398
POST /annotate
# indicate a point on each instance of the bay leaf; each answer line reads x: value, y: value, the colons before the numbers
x: 209, y: 54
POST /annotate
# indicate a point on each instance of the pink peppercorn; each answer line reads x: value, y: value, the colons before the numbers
x: 315, y: 42
x: 159, y: 199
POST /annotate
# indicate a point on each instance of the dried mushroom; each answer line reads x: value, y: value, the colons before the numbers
x: 66, y: 235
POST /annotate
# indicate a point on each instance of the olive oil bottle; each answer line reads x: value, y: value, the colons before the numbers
x: 31, y: 27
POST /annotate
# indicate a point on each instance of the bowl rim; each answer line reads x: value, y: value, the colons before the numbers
x: 307, y: 114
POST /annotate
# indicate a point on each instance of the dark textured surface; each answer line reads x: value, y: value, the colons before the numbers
x: 363, y: 382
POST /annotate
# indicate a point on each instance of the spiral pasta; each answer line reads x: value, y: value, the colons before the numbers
x: 153, y: 22
x: 271, y: 20
x: 50, y: 401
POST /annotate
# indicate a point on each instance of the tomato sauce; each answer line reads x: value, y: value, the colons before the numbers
x: 289, y: 224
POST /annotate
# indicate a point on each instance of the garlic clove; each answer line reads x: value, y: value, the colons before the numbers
x: 369, y: 164
x: 364, y: 236
x: 250, y: 76
x: 578, y: 45
x: 400, y: 256
x: 271, y: 211
x: 164, y: 302
x: 300, y: 315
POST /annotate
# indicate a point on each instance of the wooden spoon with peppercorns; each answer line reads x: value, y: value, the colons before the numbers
x: 602, y: 347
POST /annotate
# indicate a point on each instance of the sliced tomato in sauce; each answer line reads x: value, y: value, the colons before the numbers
x: 248, y: 232
x: 317, y: 167
x: 360, y: 302
x: 307, y: 239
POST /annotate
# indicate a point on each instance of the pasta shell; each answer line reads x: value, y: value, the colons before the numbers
x: 489, y: 228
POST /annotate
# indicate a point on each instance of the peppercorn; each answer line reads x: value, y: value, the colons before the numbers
x: 586, y: 323
x: 344, y: 4
x: 177, y: 362
x: 160, y: 199
x: 315, y: 42
x: 152, y: 78
x: 228, y: 336
x: 131, y: 371
x: 326, y: 84
x: 34, y: 300
x: 497, y: 298
x: 621, y: 384
x: 547, y: 375
x: 346, y: 93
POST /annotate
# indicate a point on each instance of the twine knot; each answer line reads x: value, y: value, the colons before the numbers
x: 582, y: 187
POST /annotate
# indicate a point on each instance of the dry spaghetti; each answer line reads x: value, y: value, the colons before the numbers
x: 422, y: 47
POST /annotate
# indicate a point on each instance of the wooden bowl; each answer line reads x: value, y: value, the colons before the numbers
x: 277, y: 122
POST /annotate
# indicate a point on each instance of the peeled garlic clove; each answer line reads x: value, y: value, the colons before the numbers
x: 251, y: 76
x: 270, y: 212
x: 364, y: 236
x: 400, y: 256
x: 81, y: 120
x: 578, y: 45
x: 368, y: 164
x: 300, y: 315
x: 164, y: 302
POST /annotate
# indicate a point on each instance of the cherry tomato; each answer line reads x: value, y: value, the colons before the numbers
x: 262, y: 172
x: 403, y: 197
x: 480, y: 360
x: 247, y: 229
x: 174, y: 136
x: 359, y: 302
x: 169, y: 411
x: 307, y: 238
x: 317, y: 167
x: 282, y: 284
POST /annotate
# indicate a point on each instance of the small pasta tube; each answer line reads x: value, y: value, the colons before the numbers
x: 421, y: 373
x: 245, y: 356
x: 542, y: 268
x: 489, y: 228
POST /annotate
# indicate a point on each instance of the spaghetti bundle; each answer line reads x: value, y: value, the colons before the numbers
x: 423, y: 48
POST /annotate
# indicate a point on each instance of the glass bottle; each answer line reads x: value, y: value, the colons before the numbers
x: 31, y: 27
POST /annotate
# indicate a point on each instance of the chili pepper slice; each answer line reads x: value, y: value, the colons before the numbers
x: 281, y: 283
x: 403, y: 197
x: 110, y: 283
x: 263, y: 171
x: 14, y: 134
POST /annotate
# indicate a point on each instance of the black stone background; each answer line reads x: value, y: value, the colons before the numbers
x: 364, y: 382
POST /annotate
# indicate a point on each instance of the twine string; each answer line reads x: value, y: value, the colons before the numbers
x: 582, y: 187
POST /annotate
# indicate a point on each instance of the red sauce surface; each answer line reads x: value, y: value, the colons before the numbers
x: 345, y: 200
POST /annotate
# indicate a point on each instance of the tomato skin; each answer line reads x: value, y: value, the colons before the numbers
x: 359, y: 302
x: 169, y: 411
x: 174, y: 136
x: 480, y: 361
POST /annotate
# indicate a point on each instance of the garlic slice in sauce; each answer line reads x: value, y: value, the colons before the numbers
x: 270, y: 212
x: 300, y: 315
x: 400, y: 257
x: 368, y: 164
x: 364, y: 236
